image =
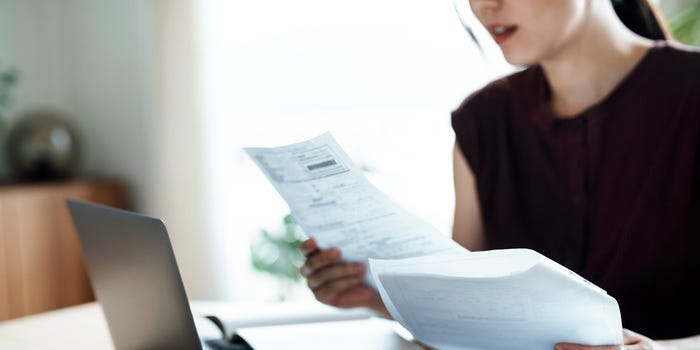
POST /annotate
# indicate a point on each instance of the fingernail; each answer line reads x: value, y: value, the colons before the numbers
x: 359, y: 267
x: 335, y: 253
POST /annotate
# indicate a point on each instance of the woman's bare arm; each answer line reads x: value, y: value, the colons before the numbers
x: 467, y: 229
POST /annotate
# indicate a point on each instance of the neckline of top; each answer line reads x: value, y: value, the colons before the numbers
x: 546, y: 117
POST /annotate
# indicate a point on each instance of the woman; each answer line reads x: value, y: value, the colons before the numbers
x: 589, y: 156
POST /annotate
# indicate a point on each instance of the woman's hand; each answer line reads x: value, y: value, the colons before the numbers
x: 633, y: 341
x: 338, y: 283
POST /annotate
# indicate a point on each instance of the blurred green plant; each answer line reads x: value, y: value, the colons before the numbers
x: 686, y: 26
x: 277, y: 252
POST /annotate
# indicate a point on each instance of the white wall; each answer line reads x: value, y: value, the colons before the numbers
x: 127, y: 71
x: 87, y: 58
x: 382, y: 76
x: 123, y: 71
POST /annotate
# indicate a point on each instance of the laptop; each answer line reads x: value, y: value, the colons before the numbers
x: 136, y: 280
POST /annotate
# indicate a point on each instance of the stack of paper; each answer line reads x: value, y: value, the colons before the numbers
x: 444, y: 295
x: 500, y: 299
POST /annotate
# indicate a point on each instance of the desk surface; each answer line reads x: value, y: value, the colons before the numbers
x: 77, y: 327
x: 84, y: 327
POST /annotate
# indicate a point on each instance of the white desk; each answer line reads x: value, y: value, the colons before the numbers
x: 84, y: 327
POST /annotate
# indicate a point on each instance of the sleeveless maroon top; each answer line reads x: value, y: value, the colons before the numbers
x: 613, y: 194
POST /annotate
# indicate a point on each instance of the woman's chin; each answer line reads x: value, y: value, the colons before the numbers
x: 520, y: 60
x: 520, y: 57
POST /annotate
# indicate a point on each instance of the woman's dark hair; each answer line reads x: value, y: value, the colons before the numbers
x: 642, y: 18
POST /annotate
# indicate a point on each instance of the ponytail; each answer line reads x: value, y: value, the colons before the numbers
x: 642, y: 18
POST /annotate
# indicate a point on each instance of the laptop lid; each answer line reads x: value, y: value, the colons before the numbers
x: 135, y: 277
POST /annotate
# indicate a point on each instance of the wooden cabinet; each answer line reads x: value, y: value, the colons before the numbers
x: 41, y: 264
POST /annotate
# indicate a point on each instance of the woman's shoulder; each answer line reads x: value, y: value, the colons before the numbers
x: 480, y: 120
x: 678, y: 52
x: 497, y: 97
x: 679, y: 64
x: 670, y: 82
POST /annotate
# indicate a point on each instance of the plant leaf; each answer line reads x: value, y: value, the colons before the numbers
x: 686, y: 26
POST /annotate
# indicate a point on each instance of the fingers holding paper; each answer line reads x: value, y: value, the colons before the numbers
x: 335, y: 282
x: 633, y: 341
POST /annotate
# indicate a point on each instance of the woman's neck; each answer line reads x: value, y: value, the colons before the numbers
x: 592, y: 64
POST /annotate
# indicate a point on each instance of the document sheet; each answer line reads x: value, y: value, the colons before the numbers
x: 501, y: 299
x: 333, y: 202
x: 446, y: 296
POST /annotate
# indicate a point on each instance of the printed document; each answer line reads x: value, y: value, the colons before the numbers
x: 446, y: 296
x: 335, y: 203
x: 501, y: 299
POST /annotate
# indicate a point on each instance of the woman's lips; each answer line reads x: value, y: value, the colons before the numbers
x: 501, y: 33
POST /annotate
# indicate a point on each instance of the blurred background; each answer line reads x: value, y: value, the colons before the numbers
x: 147, y: 104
